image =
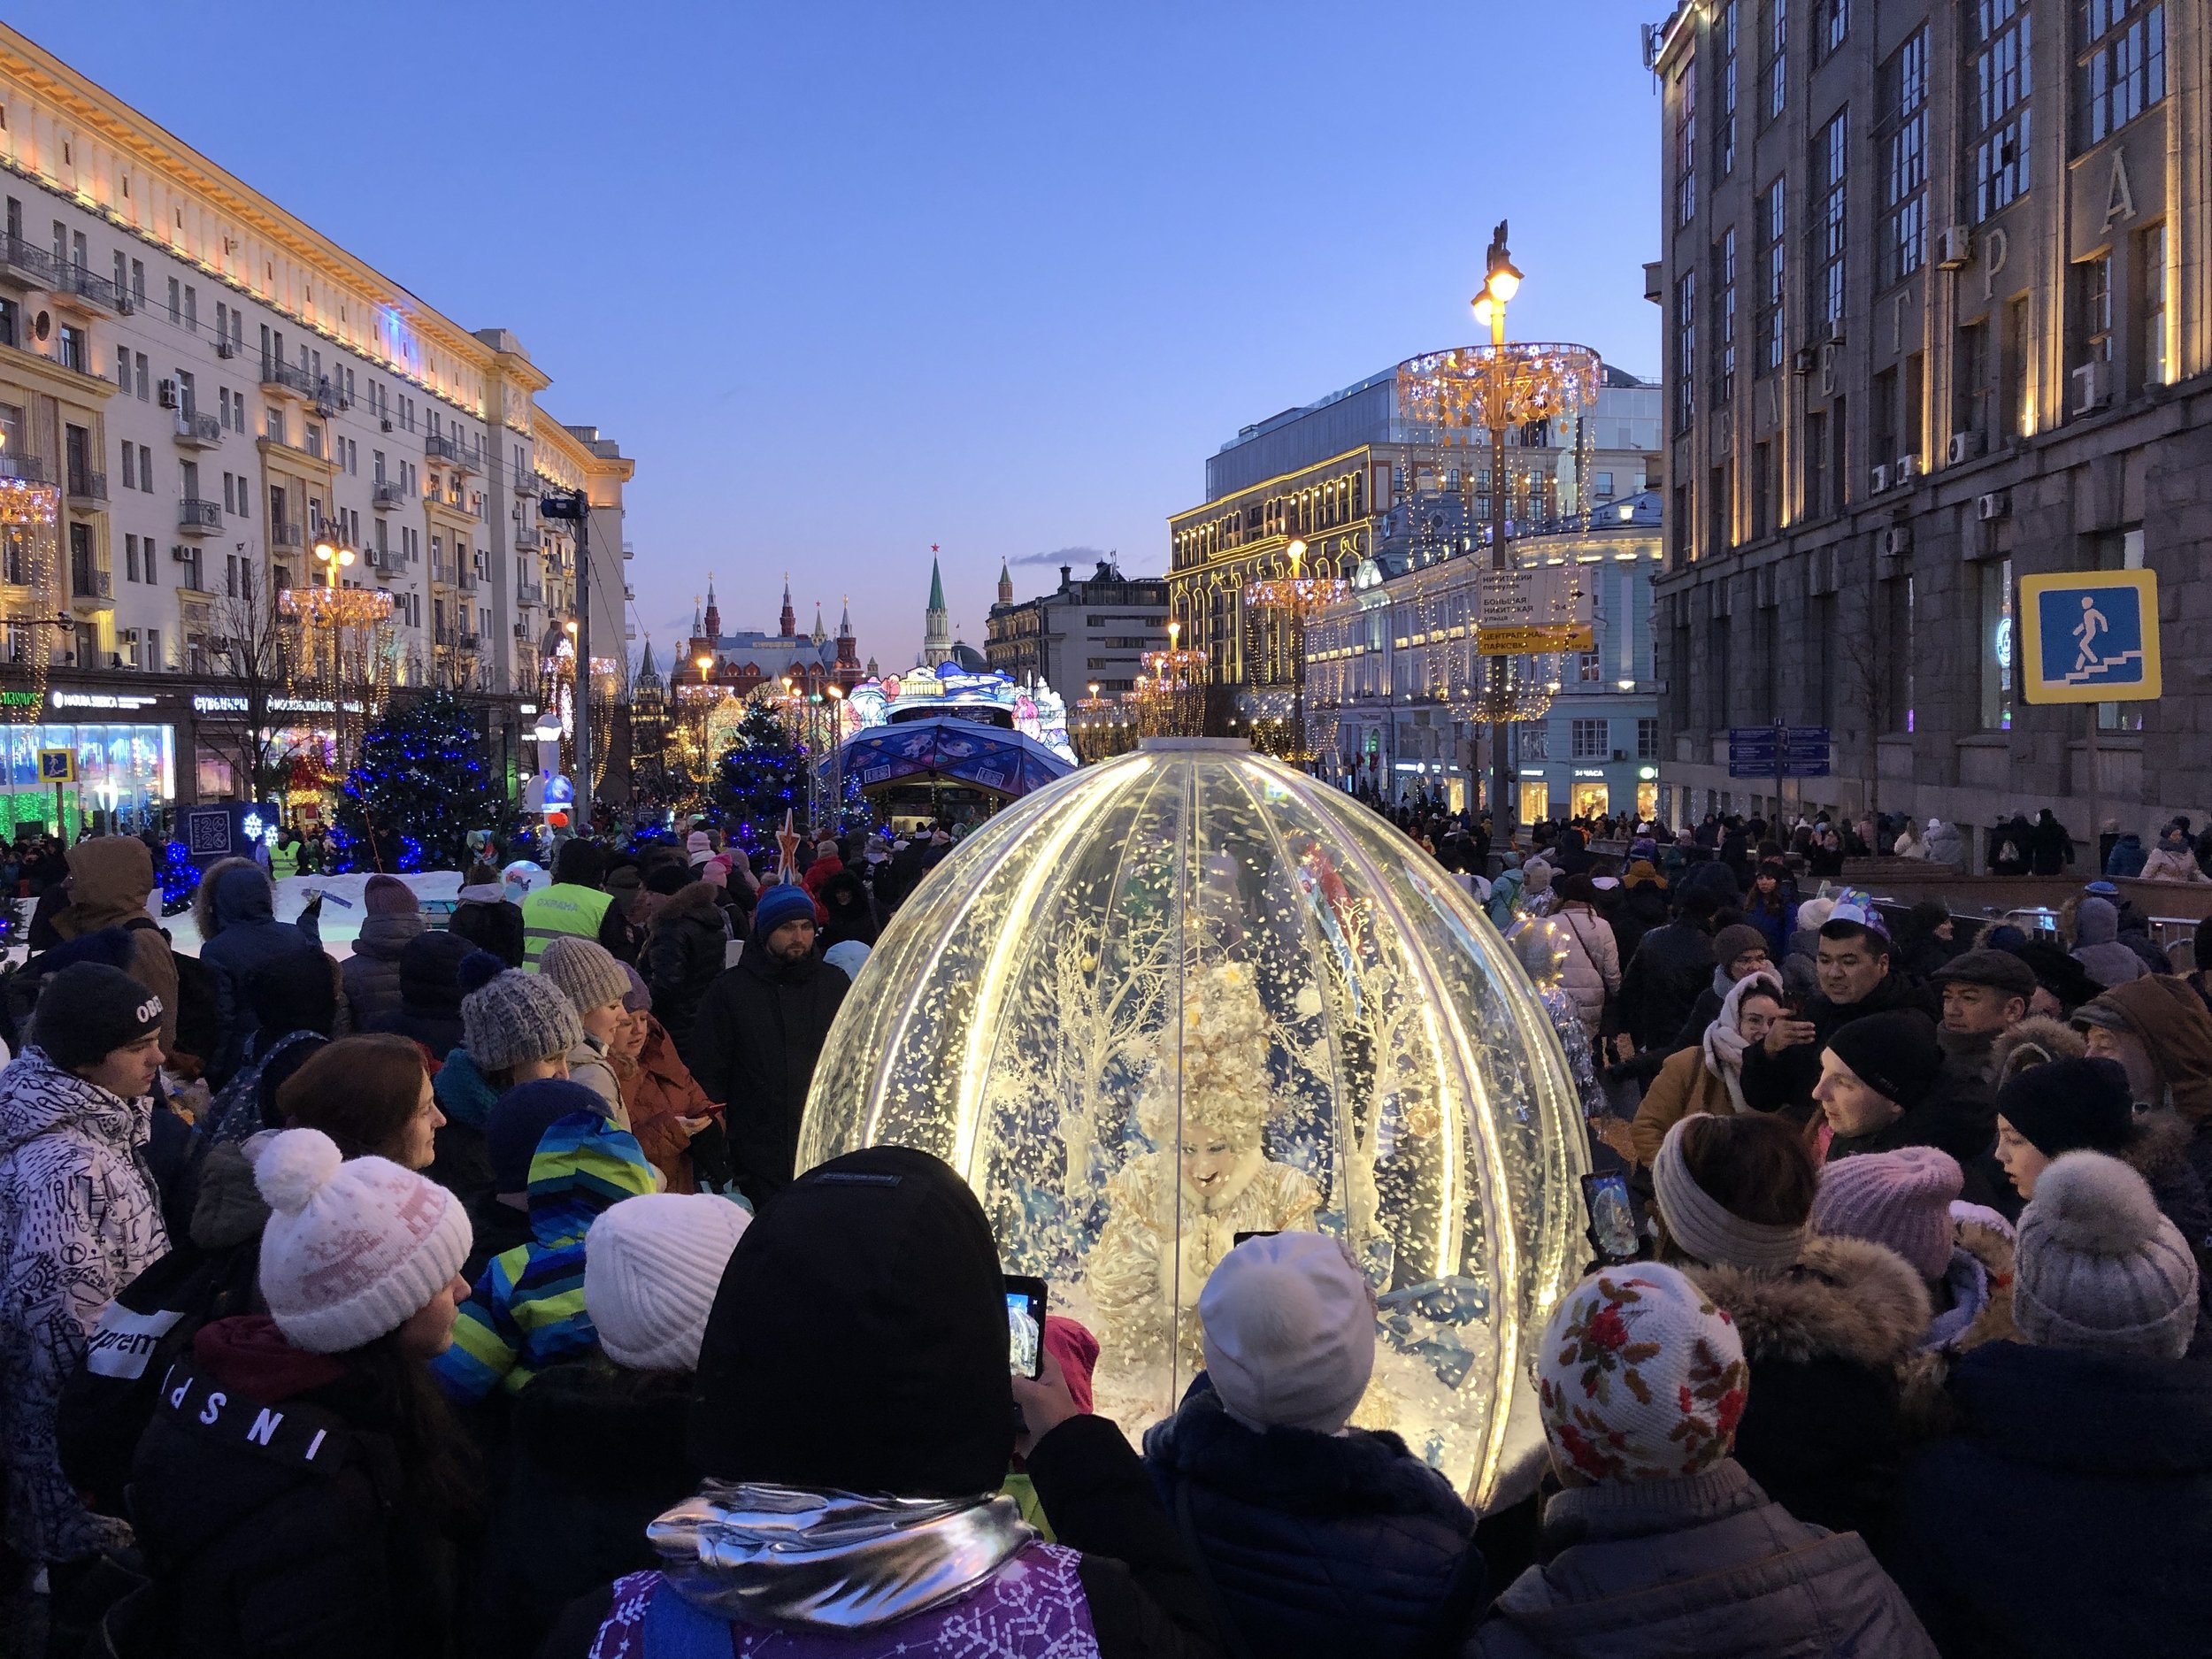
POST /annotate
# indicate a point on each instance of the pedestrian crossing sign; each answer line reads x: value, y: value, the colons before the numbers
x: 2090, y: 636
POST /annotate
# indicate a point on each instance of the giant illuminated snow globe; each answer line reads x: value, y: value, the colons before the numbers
x: 1191, y: 994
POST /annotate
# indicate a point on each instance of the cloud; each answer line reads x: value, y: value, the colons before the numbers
x: 1077, y: 556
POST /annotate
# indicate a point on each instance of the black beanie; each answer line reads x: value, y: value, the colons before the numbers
x: 89, y: 1010
x: 1894, y: 1053
x: 519, y: 1119
x: 2071, y: 1105
x: 859, y: 1341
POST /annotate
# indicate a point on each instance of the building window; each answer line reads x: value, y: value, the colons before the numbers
x: 1724, y: 318
x: 1998, y: 41
x: 1832, y: 21
x: 1685, y: 143
x: 1590, y: 741
x: 2093, y: 310
x: 1816, y: 464
x: 1724, y: 130
x: 1647, y: 739
x: 1993, y: 645
x: 1685, y: 350
x: 2150, y: 265
x: 70, y: 349
x: 1774, y: 65
x: 1830, y: 147
x: 1905, y: 158
x: 1775, y: 225
x: 1589, y: 667
x: 2119, y: 67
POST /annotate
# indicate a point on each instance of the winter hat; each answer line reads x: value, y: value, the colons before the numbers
x: 586, y: 971
x: 639, y: 998
x: 518, y: 1120
x: 1813, y: 914
x: 778, y: 905
x: 1639, y: 1377
x: 1077, y: 1350
x: 1900, y: 1199
x: 1707, y: 1228
x: 2000, y: 969
x: 2099, y: 1268
x: 1289, y: 1330
x: 669, y: 879
x: 1732, y: 942
x: 353, y: 1248
x: 515, y: 1018
x: 651, y: 1267
x: 478, y: 969
x: 388, y: 895
x: 2070, y: 1105
x: 698, y: 848
x: 1895, y: 1054
x: 89, y: 1010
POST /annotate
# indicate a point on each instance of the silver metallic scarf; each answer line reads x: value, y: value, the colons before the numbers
x: 831, y: 1560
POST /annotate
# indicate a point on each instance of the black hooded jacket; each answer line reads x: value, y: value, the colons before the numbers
x: 1784, y: 1082
x: 683, y: 957
x: 760, y: 1029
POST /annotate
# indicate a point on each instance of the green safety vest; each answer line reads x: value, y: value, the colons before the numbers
x: 284, y: 861
x: 562, y: 908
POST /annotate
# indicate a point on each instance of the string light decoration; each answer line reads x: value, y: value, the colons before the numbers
x: 1170, y: 699
x: 30, y: 539
x: 1276, y: 604
x: 1103, y: 727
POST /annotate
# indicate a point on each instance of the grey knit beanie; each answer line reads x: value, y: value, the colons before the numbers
x: 516, y: 1018
x: 586, y: 971
x: 2099, y: 1268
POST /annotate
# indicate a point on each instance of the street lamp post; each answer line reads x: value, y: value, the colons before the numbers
x: 1501, y: 281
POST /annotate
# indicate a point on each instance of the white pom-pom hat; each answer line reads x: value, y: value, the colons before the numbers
x: 352, y: 1249
x: 652, y: 1265
x: 2098, y: 1267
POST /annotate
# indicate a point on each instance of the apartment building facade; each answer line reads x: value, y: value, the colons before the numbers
x: 1939, y: 317
x: 1356, y: 481
x: 1090, y: 631
x: 201, y: 390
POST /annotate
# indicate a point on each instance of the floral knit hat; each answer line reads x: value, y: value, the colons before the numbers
x: 1640, y: 1377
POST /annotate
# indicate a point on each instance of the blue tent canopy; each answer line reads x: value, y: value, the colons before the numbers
x: 958, y: 751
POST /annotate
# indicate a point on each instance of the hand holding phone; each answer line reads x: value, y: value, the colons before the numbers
x: 1025, y: 1325
x: 1612, y: 1217
x: 1788, y: 1032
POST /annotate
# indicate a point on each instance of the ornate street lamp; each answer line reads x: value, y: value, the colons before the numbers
x: 1293, y: 599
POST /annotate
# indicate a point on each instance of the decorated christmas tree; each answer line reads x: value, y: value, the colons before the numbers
x: 420, y: 787
x: 760, y: 778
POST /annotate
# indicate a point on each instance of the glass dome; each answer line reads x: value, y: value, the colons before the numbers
x: 1189, y: 994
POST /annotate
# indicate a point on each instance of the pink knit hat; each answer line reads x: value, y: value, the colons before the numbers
x: 1901, y: 1198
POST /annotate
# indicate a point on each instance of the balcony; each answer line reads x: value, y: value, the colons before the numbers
x: 330, y: 399
x: 529, y: 594
x: 88, y: 585
x: 198, y: 432
x: 526, y: 484
x: 387, y: 495
x: 24, y: 266
x: 87, y: 489
x: 199, y: 517
x: 225, y: 348
x: 77, y: 289
x: 385, y: 561
x: 466, y: 578
x: 525, y: 539
x: 451, y: 452
x: 444, y: 637
x: 284, y: 377
x: 466, y: 642
x: 286, y: 538
x: 27, y: 469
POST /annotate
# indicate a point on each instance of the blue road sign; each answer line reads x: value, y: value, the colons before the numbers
x: 2090, y: 636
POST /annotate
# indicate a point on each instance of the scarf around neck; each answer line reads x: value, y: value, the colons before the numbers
x: 1725, y: 1043
x: 784, y: 1555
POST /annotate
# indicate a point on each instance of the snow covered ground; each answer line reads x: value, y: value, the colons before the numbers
x: 340, y: 921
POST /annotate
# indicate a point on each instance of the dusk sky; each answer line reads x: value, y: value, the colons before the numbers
x: 849, y: 281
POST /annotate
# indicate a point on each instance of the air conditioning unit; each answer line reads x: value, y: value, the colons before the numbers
x: 2093, y: 386
x: 1620, y: 754
x: 1896, y: 544
x: 1881, y: 480
x: 124, y: 304
x: 178, y: 553
x: 1805, y: 360
x: 1996, y: 504
x: 387, y: 426
x: 170, y: 397
x: 1907, y: 468
x: 225, y: 348
x: 1954, y: 248
x: 1965, y: 446
x: 522, y: 631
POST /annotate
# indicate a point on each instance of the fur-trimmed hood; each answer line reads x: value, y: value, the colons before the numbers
x: 699, y: 898
x: 1846, y: 1299
x: 2033, y: 1042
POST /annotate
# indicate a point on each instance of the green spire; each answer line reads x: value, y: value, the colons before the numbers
x: 936, y: 587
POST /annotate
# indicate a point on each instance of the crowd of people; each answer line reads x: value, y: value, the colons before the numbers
x: 465, y: 1296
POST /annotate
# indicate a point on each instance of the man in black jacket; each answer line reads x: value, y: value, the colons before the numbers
x: 1662, y: 981
x: 759, y: 1031
x: 1856, y: 979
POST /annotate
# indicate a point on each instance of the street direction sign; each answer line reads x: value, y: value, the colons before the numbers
x: 1779, y: 752
x: 2090, y: 636
x: 1535, y: 638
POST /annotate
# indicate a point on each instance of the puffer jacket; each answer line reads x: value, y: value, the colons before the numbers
x: 656, y: 1091
x: 429, y: 1008
x: 683, y: 956
x: 2171, y: 864
x: 1589, y: 966
x: 251, y: 943
x: 1823, y: 1432
x: 372, y: 974
x: 1672, y: 966
x: 79, y: 1220
x: 526, y: 1311
x: 1706, y: 1564
x: 1317, y: 1544
x: 110, y: 878
x: 2097, y: 945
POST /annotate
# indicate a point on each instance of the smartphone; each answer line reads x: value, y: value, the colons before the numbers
x: 1025, y: 1325
x: 1236, y: 1239
x: 1612, y: 1217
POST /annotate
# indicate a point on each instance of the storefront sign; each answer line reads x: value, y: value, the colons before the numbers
x: 93, y: 699
x: 19, y: 700
x: 1589, y: 772
x: 205, y: 704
